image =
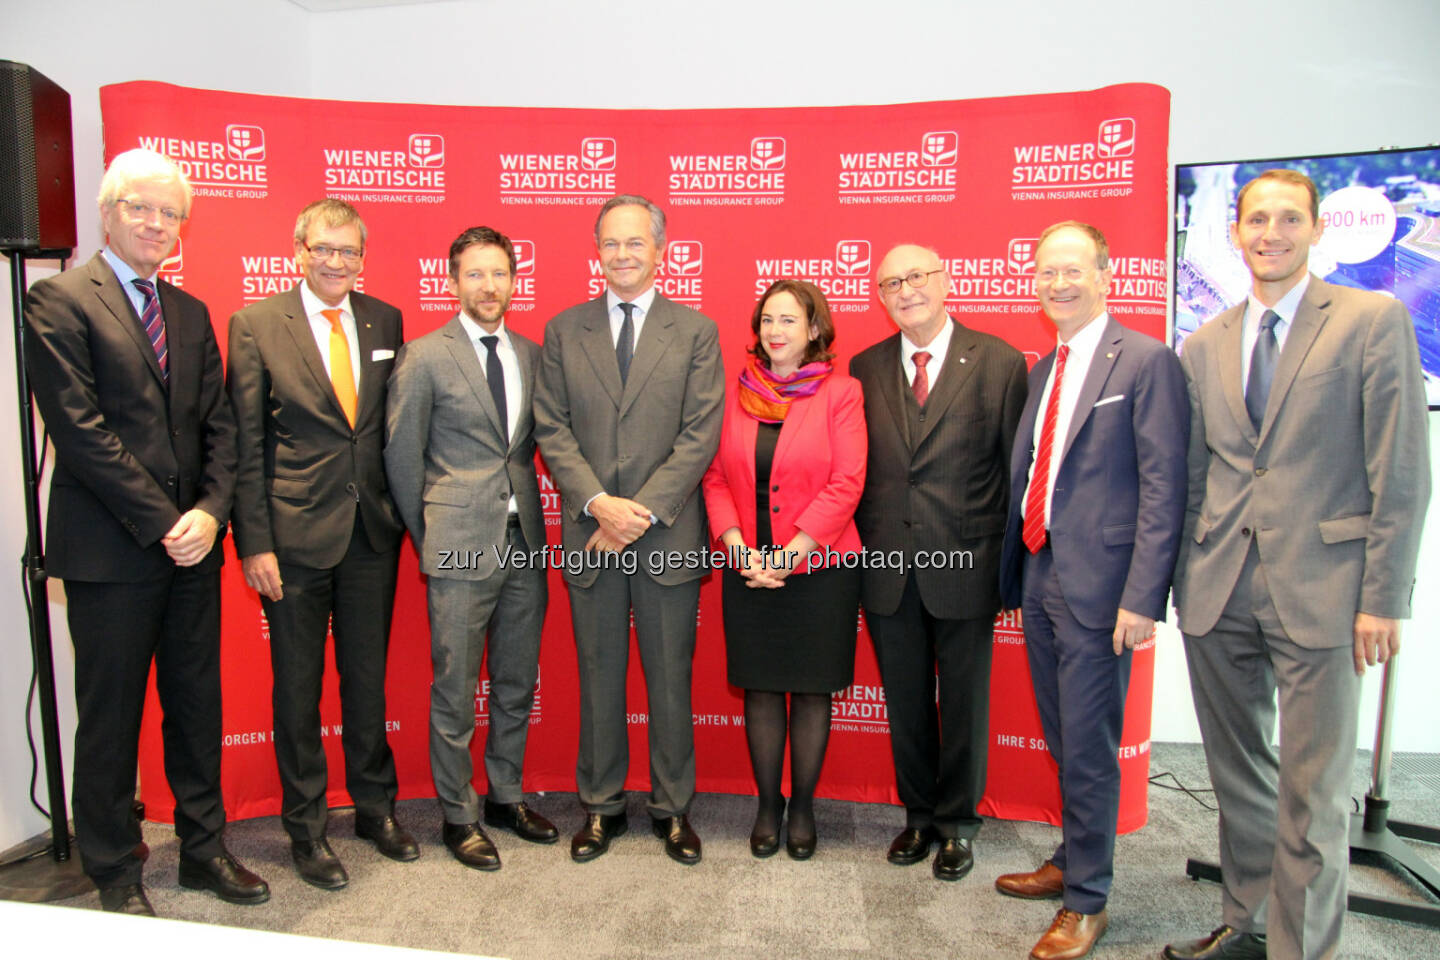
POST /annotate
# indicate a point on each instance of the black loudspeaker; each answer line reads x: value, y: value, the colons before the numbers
x: 37, y: 168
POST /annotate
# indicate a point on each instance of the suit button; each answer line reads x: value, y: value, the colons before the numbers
x: 354, y: 439
x: 1259, y: 471
x: 1244, y: 531
x: 774, y: 509
x: 775, y: 488
x: 169, y: 481
x: 175, y: 432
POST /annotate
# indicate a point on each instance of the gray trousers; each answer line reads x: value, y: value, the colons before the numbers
x: 665, y: 633
x: 1284, y: 818
x: 509, y: 606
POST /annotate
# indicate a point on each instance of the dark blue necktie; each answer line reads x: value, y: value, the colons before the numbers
x: 1262, y: 368
x: 495, y: 376
x: 154, y: 325
x: 625, y: 346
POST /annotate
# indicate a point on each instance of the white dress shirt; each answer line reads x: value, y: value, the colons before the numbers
x: 509, y: 365
x: 1250, y: 328
x: 320, y: 327
x: 937, y: 349
x: 1077, y: 365
x: 617, y: 316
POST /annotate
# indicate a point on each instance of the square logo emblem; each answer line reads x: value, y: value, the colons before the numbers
x: 684, y: 258
x: 852, y: 257
x: 427, y: 150
x: 768, y: 153
x: 1020, y: 257
x: 940, y: 148
x: 1116, y: 137
x: 524, y: 257
x: 244, y: 142
x: 597, y: 153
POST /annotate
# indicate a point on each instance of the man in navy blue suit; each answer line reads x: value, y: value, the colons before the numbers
x: 1097, y: 480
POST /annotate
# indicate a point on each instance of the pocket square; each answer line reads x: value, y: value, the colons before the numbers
x: 376, y: 355
x: 1118, y: 396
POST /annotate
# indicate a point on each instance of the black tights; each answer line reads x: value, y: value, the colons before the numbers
x: 766, y: 725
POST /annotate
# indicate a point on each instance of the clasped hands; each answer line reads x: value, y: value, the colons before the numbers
x: 622, y: 522
x: 190, y: 539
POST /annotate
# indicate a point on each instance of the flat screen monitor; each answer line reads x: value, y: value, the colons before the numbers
x: 1381, y: 211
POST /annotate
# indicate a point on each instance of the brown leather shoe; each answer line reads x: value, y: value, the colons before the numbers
x: 1047, y: 883
x: 1071, y: 935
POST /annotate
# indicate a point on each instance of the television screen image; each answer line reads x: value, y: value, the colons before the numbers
x: 1381, y: 213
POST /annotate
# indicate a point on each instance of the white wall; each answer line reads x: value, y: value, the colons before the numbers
x: 1245, y: 80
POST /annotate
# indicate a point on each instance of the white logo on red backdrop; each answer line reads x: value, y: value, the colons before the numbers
x: 522, y: 290
x: 685, y: 258
x: 768, y: 153
x: 176, y: 261
x: 1116, y: 137
x: 482, y: 701
x: 427, y: 150
x: 597, y: 153
x: 524, y: 257
x: 852, y: 257
x: 940, y: 148
x: 549, y: 498
x: 1020, y: 258
x: 245, y: 142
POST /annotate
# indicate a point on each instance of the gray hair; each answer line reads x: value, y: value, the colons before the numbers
x: 332, y: 214
x: 657, y: 216
x: 133, y: 166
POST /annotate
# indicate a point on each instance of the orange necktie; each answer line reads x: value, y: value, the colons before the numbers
x: 342, y: 377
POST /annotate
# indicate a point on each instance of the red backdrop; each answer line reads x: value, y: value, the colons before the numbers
x: 752, y: 195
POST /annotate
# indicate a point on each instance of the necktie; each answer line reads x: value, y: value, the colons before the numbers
x: 1033, y: 532
x: 625, y: 346
x: 921, y: 386
x: 1262, y: 368
x: 342, y: 376
x: 154, y: 326
x: 495, y: 376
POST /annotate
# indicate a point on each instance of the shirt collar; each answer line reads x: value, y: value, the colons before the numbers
x: 1089, y: 337
x: 1285, y: 308
x: 313, y: 304
x: 938, y: 347
x: 643, y: 301
x: 474, y: 331
x: 123, y: 271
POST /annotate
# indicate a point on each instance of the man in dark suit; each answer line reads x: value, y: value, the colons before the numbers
x: 126, y: 374
x: 460, y: 456
x: 316, y: 531
x: 627, y: 413
x: 1309, y: 477
x: 941, y: 405
x: 1096, y: 504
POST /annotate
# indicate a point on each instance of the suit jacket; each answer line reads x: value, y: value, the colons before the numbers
x: 815, y: 478
x: 649, y: 440
x: 131, y: 454
x: 1332, y: 488
x: 303, y: 470
x: 451, y: 469
x: 1119, y: 497
x: 946, y: 488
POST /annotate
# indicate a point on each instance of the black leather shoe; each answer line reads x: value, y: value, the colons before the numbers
x: 764, y: 843
x: 799, y: 846
x: 470, y: 846
x: 224, y: 876
x: 391, y: 839
x: 317, y: 864
x: 681, y: 842
x: 954, y: 859
x: 127, y: 899
x: 911, y: 845
x: 1225, y: 943
x: 594, y: 837
x: 524, y: 822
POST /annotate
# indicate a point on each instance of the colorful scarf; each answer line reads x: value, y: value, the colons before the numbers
x: 767, y: 397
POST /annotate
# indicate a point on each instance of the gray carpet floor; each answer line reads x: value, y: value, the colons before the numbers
x: 847, y: 902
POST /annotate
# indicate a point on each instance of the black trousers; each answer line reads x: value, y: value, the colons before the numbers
x: 117, y: 630
x: 359, y: 593
x: 940, y: 750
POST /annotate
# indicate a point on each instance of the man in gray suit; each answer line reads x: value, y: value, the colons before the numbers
x: 942, y: 403
x: 627, y: 414
x: 1309, y: 477
x: 460, y: 457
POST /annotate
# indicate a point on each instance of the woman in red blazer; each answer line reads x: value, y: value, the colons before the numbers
x: 781, y: 497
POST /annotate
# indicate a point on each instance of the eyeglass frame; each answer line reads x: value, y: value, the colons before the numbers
x: 141, y: 210
x: 891, y: 285
x: 323, y: 252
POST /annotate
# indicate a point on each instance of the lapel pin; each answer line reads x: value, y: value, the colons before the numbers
x: 962, y: 359
x: 1109, y: 356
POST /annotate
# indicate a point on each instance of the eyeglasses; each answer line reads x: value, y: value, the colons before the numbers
x: 1071, y: 274
x: 141, y: 211
x: 916, y: 278
x: 323, y: 251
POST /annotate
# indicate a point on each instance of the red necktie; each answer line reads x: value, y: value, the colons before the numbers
x: 1034, y: 530
x: 921, y: 386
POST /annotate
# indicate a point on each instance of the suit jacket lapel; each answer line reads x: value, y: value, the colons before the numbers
x: 1308, y: 322
x: 792, y: 426
x: 118, y: 303
x: 892, y: 382
x: 600, y: 349
x: 462, y: 348
x: 649, y: 347
x: 1107, y: 351
x: 308, y: 351
x: 953, y: 374
x: 1233, y: 359
x: 523, y: 423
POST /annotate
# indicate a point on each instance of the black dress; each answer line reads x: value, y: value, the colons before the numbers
x: 801, y: 637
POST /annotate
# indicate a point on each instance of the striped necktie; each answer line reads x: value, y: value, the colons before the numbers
x: 154, y: 325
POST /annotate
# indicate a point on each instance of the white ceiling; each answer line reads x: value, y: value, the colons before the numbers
x: 326, y: 6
